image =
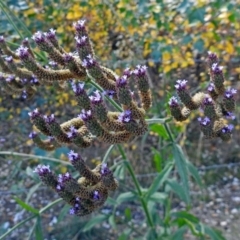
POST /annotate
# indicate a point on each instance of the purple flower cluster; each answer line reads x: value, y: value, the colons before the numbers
x: 212, y: 56
x: 10, y: 78
x: 216, y: 69
x: 97, y: 98
x: 109, y: 93
x: 32, y: 135
x: 211, y: 87
x: 227, y: 129
x: 204, y: 121
x: 96, y: 195
x: 2, y: 40
x: 79, y: 25
x: 9, y: 59
x: 104, y: 169
x: 72, y: 133
x: 81, y: 41
x: 76, y: 207
x: 49, y: 119
x: 23, y: 52
x: 125, y: 116
x: 68, y: 57
x: 181, y: 85
x: 122, y: 81
x: 173, y: 102
x: 35, y: 113
x: 230, y: 93
x: 72, y: 156
x: 42, y: 170
x: 89, y: 61
x: 140, y: 71
x: 85, y: 115
x: 51, y: 34
x: 207, y: 101
x: 39, y: 37
x: 78, y: 88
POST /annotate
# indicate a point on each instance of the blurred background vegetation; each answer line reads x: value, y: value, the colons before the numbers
x: 171, y: 37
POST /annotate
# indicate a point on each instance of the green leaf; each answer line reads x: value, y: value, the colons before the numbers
x: 92, y: 222
x: 120, y: 172
x: 63, y: 212
x: 157, y: 158
x: 186, y: 215
x: 125, y: 234
x: 125, y: 197
x: 38, y: 229
x: 26, y: 206
x: 194, y: 172
x: 181, y: 164
x: 158, y: 197
x: 159, y: 180
x: 128, y: 214
x: 111, y: 221
x: 214, y: 234
x: 178, y: 189
x: 160, y: 130
x: 179, y: 234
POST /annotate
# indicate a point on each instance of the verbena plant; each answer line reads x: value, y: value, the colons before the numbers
x: 113, y: 114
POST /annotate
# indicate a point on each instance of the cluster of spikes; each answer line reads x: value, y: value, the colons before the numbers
x: 22, y: 74
x: 217, y: 104
x: 86, y: 194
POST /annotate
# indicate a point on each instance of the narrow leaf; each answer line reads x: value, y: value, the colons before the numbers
x: 26, y: 206
x: 159, y: 180
x: 92, y: 222
x: 125, y: 197
x: 194, y: 172
x: 38, y: 229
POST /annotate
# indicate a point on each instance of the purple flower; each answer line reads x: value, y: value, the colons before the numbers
x: 72, y: 211
x: 42, y: 170
x: 109, y: 93
x: 72, y: 133
x: 63, y: 178
x: 52, y: 64
x: 207, y: 101
x: 125, y: 116
x: 10, y: 78
x: 22, y: 52
x: 227, y: 129
x: 81, y: 41
x: 85, y: 115
x: 34, y: 80
x: 211, y: 87
x: 68, y: 57
x: 32, y: 135
x: 50, y: 34
x: 181, y: 85
x: 104, y: 169
x: 72, y: 156
x: 78, y: 88
x: 24, y: 94
x: 49, y: 119
x: 9, y: 59
x: 35, y: 113
x: 39, y: 37
x: 217, y: 69
x: 2, y: 40
x: 212, y: 56
x: 140, y: 70
x: 79, y: 25
x: 204, y: 121
x: 97, y: 98
x: 96, y: 195
x: 25, y: 41
x: 173, y: 102
x: 89, y: 61
x: 127, y: 72
x: 230, y: 92
x: 229, y: 115
x: 122, y: 81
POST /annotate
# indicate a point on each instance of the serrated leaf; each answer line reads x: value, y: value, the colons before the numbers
x: 92, y: 222
x: 159, y: 180
x: 181, y: 164
x: 26, y: 206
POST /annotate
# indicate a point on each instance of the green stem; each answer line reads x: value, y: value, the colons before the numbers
x: 169, y: 132
x: 50, y: 205
x: 16, y: 226
x: 158, y: 120
x: 138, y: 187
